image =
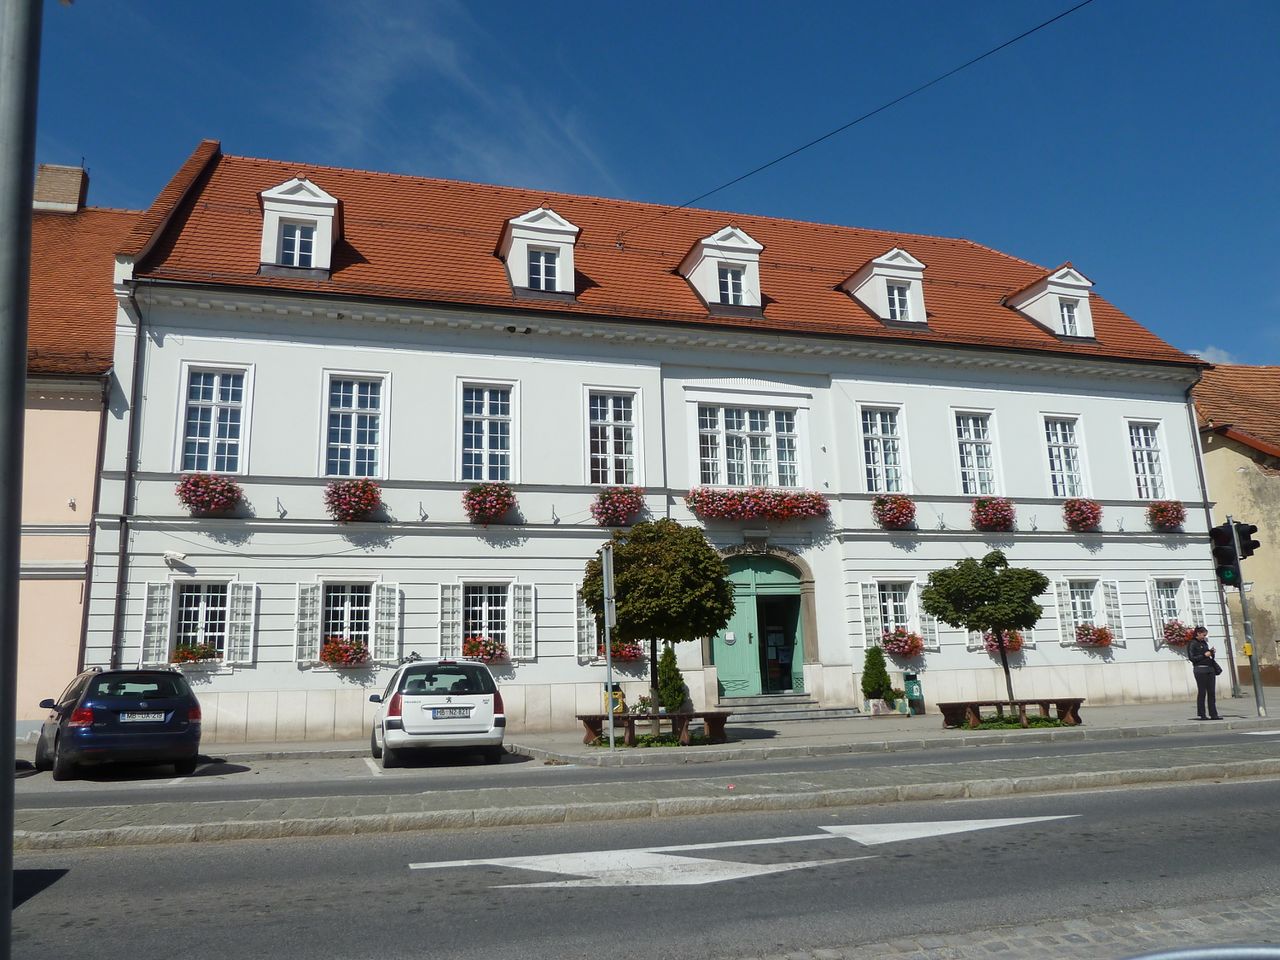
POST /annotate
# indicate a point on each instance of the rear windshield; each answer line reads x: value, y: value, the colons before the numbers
x: 155, y: 686
x: 447, y: 678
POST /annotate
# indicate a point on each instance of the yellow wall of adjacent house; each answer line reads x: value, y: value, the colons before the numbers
x: 1246, y: 485
x: 60, y: 463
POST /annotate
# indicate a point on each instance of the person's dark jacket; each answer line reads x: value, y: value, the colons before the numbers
x: 1198, y: 654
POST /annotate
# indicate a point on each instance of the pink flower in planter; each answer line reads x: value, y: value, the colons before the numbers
x: 1177, y: 633
x: 900, y: 642
x: 893, y: 511
x: 1081, y: 515
x: 208, y: 494
x: 1012, y: 642
x: 348, y: 500
x: 488, y: 503
x: 992, y: 514
x: 756, y: 503
x: 342, y: 652
x: 1088, y: 635
x: 484, y: 648
x: 1166, y: 514
x: 617, y: 506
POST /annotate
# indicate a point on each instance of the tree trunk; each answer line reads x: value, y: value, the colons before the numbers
x: 653, y: 686
x: 1004, y: 663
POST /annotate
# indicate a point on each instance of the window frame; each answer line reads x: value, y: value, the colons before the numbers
x: 1101, y: 614
x: 1162, y: 450
x: 188, y: 367
x: 797, y: 402
x: 327, y: 583
x: 328, y: 375
x: 506, y: 583
x: 487, y: 383
x: 997, y: 473
x: 174, y: 583
x: 773, y: 464
x: 732, y: 271
x: 1086, y: 486
x: 202, y: 583
x: 904, y: 464
x: 298, y: 222
x: 893, y: 305
x: 637, y: 431
x: 542, y: 251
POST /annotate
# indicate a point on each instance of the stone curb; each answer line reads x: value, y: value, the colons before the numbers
x: 29, y: 840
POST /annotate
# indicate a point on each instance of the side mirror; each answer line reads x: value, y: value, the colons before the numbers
x: 47, y: 704
x: 373, y: 698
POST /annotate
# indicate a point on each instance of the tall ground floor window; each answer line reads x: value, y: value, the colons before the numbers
x: 348, y: 611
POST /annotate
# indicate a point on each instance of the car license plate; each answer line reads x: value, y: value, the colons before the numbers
x: 142, y: 717
x: 450, y: 713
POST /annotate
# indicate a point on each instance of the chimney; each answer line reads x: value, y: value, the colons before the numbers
x: 60, y: 189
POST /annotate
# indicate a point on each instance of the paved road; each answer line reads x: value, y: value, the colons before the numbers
x: 1104, y: 874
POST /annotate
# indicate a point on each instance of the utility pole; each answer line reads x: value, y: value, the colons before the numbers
x: 1254, y: 671
x: 19, y: 77
x: 610, y: 621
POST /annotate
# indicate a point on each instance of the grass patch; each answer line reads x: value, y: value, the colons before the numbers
x: 658, y: 740
x: 1011, y: 723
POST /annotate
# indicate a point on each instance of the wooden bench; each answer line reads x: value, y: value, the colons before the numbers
x: 965, y: 712
x: 713, y: 721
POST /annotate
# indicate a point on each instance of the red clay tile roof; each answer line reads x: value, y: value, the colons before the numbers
x: 426, y: 240
x: 72, y: 321
x: 1243, y: 402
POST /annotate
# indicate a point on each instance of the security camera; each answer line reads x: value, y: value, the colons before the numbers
x: 173, y: 556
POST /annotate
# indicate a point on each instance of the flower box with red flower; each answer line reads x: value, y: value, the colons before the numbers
x: 484, y: 648
x: 1177, y: 633
x: 1089, y: 635
x: 208, y: 494
x: 488, y: 503
x: 1166, y: 514
x: 893, y: 511
x: 189, y: 653
x: 344, y: 652
x: 756, y: 503
x: 1013, y: 642
x: 352, y: 500
x: 1081, y: 515
x: 617, y: 506
x: 622, y: 651
x: 900, y: 642
x: 993, y: 514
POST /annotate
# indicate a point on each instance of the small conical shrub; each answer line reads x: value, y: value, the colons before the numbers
x: 875, y: 677
x: 672, y: 692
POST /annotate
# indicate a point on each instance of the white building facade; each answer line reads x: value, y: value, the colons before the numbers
x: 284, y: 380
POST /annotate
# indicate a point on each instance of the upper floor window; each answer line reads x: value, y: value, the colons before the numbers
x: 611, y: 431
x: 1070, y: 326
x: 747, y: 446
x: 882, y: 449
x: 202, y: 616
x: 977, y: 461
x: 486, y: 433
x: 1144, y: 446
x: 354, y: 439
x: 542, y: 269
x: 213, y: 421
x: 899, y: 302
x: 297, y: 244
x: 1064, y: 456
x: 731, y: 286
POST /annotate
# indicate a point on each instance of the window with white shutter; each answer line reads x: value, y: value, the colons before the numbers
x: 1066, y: 618
x: 450, y: 619
x: 157, y: 620
x: 872, y: 630
x: 1114, y: 611
x: 306, y: 642
x: 1173, y: 598
x: 1195, y: 604
x: 523, y: 622
x: 587, y: 629
x: 386, y: 622
x: 928, y: 623
x: 242, y: 620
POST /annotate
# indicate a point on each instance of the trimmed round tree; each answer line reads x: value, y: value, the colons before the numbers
x: 669, y: 584
x: 986, y: 596
x: 876, y: 684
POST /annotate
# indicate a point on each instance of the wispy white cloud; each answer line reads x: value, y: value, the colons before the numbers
x: 1215, y: 355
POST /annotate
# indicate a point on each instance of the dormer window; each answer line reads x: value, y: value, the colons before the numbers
x: 724, y: 271
x: 891, y: 287
x: 1057, y: 301
x: 537, y: 248
x: 300, y: 226
x: 731, y: 286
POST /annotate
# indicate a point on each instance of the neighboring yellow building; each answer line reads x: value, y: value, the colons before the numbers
x: 70, y: 338
x: 1239, y: 413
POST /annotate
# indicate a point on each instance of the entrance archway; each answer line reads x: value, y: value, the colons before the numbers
x: 765, y: 646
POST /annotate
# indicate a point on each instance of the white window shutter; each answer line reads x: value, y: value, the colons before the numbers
x: 587, y: 629
x: 1157, y: 622
x: 975, y: 641
x: 386, y: 622
x: 871, y: 628
x: 1195, y: 602
x: 242, y: 622
x: 523, y: 622
x: 306, y: 642
x: 450, y: 619
x: 157, y: 621
x: 1115, y: 613
x: 1066, y: 623
x: 928, y: 623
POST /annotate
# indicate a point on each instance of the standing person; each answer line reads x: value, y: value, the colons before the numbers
x: 1206, y: 670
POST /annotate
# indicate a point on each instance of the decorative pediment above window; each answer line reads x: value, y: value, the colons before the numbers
x: 1058, y: 301
x: 724, y: 270
x: 890, y: 286
x: 299, y: 227
x: 538, y: 251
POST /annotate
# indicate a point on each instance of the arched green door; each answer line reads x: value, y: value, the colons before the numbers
x: 761, y: 650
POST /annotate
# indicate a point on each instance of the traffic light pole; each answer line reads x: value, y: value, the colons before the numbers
x: 1254, y: 671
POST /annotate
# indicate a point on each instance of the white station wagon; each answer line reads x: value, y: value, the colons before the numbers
x: 433, y: 704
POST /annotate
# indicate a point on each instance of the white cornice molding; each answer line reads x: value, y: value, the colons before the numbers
x: 649, y: 332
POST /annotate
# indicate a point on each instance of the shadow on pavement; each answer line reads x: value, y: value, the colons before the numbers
x: 27, y: 883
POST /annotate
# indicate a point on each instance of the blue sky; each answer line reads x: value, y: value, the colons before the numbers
x: 1136, y: 138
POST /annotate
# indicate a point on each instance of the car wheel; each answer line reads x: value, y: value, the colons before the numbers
x: 63, y: 767
x: 373, y: 744
x: 43, y: 762
x: 391, y: 758
x: 185, y: 767
x: 494, y: 754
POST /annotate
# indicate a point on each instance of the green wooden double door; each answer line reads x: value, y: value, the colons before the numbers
x: 762, y: 649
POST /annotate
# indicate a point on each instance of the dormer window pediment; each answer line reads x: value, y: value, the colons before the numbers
x: 537, y: 249
x: 724, y: 269
x: 1058, y: 301
x: 299, y: 226
x: 891, y: 286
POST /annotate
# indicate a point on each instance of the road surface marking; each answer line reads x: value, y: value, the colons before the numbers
x: 377, y: 770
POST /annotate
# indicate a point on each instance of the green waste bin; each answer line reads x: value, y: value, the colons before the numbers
x: 915, y: 694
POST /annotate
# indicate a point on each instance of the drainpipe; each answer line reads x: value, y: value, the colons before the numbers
x: 1208, y: 522
x: 131, y: 453
x: 93, y: 519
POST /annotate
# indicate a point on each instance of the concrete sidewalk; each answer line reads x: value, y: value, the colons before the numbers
x: 966, y: 775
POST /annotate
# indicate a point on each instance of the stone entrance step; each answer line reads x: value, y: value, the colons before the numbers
x: 780, y: 707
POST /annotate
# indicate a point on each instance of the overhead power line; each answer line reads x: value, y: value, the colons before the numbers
x: 857, y: 120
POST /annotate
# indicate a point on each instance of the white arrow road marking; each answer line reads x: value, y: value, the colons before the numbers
x: 1260, y: 733
x: 655, y: 867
